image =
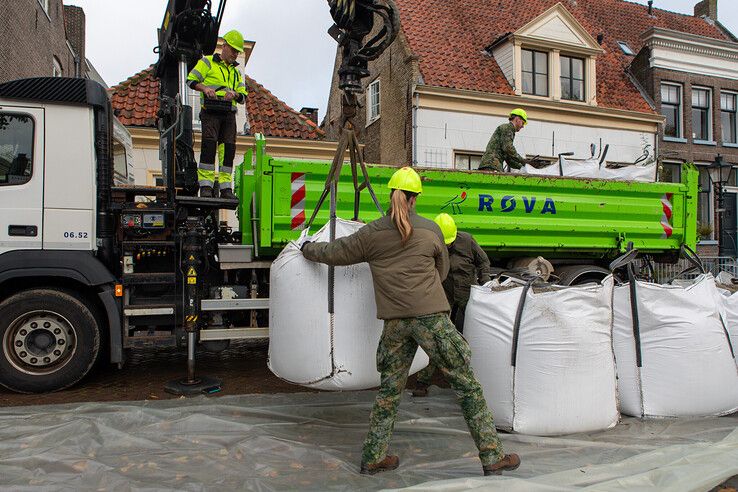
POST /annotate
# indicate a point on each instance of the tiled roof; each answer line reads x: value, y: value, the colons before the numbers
x: 136, y: 103
x: 450, y: 36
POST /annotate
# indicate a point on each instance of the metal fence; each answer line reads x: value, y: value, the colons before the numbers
x: 664, y: 272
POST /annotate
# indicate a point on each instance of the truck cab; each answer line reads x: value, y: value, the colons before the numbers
x: 56, y: 285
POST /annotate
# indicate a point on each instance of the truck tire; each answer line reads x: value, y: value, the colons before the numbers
x: 50, y: 340
x: 580, y: 274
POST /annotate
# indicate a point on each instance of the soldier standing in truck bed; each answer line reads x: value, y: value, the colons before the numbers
x: 500, y: 147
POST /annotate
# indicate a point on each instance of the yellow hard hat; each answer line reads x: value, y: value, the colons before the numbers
x: 234, y: 40
x: 448, y: 227
x: 406, y: 179
x: 520, y: 112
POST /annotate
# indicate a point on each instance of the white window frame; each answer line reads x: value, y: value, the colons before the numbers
x: 680, y: 134
x: 710, y: 114
x: 466, y: 153
x: 585, y: 96
x: 373, y: 102
x: 734, y: 94
x: 549, y: 71
x: 56, y: 69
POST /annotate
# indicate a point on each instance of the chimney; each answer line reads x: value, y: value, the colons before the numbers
x: 74, y: 25
x: 650, y: 7
x: 706, y: 8
x: 311, y: 113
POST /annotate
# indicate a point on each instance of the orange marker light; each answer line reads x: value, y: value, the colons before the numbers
x: 118, y: 290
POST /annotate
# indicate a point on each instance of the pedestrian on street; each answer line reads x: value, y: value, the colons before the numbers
x: 500, y: 147
x: 408, y: 261
x: 469, y: 266
x: 222, y: 88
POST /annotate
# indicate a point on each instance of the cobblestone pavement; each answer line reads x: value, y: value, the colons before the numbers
x: 242, y: 368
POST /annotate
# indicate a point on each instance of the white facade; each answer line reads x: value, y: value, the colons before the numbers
x: 441, y: 134
x: 693, y: 54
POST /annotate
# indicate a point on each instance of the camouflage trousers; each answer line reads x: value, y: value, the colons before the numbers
x: 449, y: 352
x: 458, y: 310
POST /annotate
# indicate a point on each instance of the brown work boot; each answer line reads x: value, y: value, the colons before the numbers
x: 508, y: 463
x: 421, y: 389
x: 388, y: 463
x: 206, y: 192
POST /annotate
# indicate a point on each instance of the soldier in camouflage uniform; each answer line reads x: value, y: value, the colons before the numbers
x: 500, y: 147
x: 409, y: 260
x: 469, y: 265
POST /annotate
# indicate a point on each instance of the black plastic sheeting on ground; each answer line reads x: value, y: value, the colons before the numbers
x: 312, y: 441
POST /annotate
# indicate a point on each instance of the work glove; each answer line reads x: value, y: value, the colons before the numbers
x: 304, y: 239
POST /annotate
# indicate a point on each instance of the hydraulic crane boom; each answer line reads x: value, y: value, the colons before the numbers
x: 189, y: 31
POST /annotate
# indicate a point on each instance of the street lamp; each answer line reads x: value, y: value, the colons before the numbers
x: 722, y: 172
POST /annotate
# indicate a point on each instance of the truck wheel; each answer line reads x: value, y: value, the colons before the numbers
x: 50, y: 340
x: 580, y: 274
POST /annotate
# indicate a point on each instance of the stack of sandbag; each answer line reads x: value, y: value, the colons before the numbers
x: 591, y: 168
x: 676, y: 360
x: 309, y: 346
x: 555, y: 373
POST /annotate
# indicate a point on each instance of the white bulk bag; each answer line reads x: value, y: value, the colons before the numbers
x: 306, y: 347
x: 687, y: 368
x: 587, y: 168
x: 643, y: 173
x: 550, y: 170
x: 563, y: 380
x: 730, y: 306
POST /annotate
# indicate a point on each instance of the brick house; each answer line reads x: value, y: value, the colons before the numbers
x: 61, y: 29
x: 579, y: 67
x: 693, y: 81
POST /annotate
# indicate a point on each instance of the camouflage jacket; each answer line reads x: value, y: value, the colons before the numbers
x: 469, y: 266
x: 407, y: 278
x: 501, y: 149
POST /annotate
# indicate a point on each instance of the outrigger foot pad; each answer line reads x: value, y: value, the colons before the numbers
x: 200, y: 385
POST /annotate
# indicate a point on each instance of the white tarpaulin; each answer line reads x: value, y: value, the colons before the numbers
x: 308, y: 346
x: 686, y: 368
x: 563, y: 377
x: 312, y: 441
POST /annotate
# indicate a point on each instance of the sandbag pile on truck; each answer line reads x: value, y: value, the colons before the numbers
x: 591, y: 168
x: 307, y: 345
x: 676, y: 358
x: 553, y: 371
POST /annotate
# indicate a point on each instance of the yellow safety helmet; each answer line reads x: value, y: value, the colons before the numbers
x: 448, y: 227
x: 406, y: 179
x: 234, y: 40
x: 520, y: 112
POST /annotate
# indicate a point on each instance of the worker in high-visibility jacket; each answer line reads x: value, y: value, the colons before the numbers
x: 219, y: 80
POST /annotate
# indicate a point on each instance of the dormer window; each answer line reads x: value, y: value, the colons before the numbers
x: 572, y: 78
x: 552, y: 57
x: 535, y: 73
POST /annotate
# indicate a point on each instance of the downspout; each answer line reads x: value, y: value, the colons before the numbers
x: 416, y: 103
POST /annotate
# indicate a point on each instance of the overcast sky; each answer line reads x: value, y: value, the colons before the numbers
x: 293, y: 56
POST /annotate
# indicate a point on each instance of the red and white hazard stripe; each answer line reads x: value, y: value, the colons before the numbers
x: 666, y: 217
x: 297, y: 207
